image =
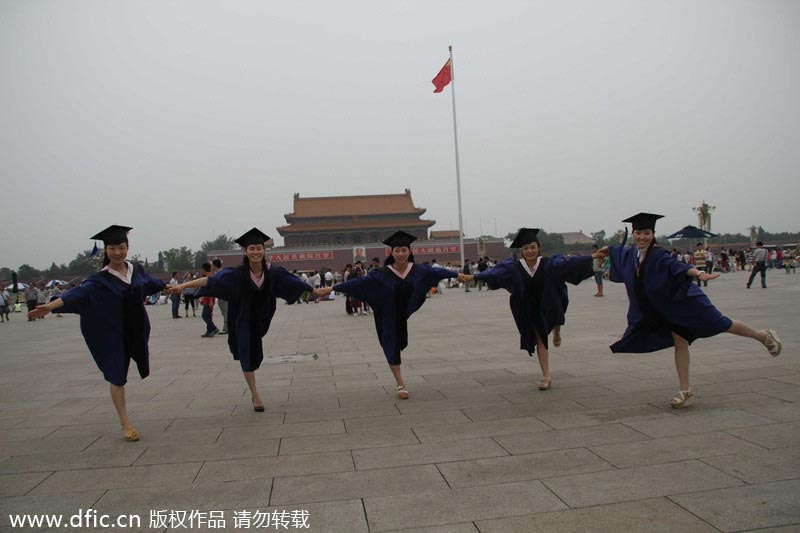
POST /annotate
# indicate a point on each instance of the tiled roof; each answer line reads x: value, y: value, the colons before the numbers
x: 576, y: 237
x: 339, y: 206
x: 357, y: 225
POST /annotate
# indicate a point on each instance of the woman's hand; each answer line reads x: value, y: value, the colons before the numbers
x: 175, y: 289
x: 41, y: 311
x: 601, y: 253
x: 705, y: 276
x: 465, y: 278
x: 322, y: 292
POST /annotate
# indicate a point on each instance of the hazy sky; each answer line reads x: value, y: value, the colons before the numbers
x: 186, y: 119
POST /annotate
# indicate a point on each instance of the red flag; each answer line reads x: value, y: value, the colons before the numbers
x: 442, y: 79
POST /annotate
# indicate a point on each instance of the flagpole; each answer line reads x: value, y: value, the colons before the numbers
x: 458, y: 166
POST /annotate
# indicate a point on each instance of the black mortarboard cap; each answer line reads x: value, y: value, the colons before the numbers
x: 399, y: 238
x: 643, y: 221
x: 113, y: 235
x: 525, y: 236
x: 254, y: 236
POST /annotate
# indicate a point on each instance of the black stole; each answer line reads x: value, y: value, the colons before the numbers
x: 402, y: 295
x: 132, y: 324
x: 534, y: 286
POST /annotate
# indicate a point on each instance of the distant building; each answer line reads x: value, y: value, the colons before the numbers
x: 337, y: 220
x: 449, y: 234
x: 577, y: 237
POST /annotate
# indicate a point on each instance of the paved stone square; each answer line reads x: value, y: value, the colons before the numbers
x: 476, y: 448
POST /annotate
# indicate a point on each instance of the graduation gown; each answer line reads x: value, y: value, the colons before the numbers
x: 538, y: 304
x: 114, y: 322
x: 662, y: 299
x: 250, y: 308
x: 394, y: 300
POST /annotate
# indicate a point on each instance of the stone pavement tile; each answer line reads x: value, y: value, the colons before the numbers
x: 475, y: 430
x: 349, y: 441
x: 232, y: 436
x: 656, y: 397
x: 625, y: 387
x: 435, y: 418
x: 500, y: 412
x: 19, y: 484
x: 760, y: 466
x: 160, y: 438
x: 738, y: 387
x: 749, y: 507
x: 658, y: 514
x: 568, y: 438
x: 218, y: 422
x: 422, y: 509
x: 119, y: 477
x: 359, y: 484
x: 54, y: 420
x: 766, y: 372
x: 12, y: 435
x: 415, y: 406
x: 283, y: 465
x: 789, y: 394
x: 419, y: 454
x: 694, y: 420
x: 789, y: 378
x: 48, y: 462
x: 771, y: 436
x: 521, y: 467
x: 387, y: 409
x: 8, y: 423
x: 46, y: 446
x: 586, y: 392
x: 792, y: 528
x: 180, y: 453
x: 244, y: 494
x: 780, y: 411
x: 671, y: 449
x: 468, y: 527
x: 583, y: 490
x: 63, y: 504
x: 110, y: 430
x: 603, y: 416
x: 325, y: 517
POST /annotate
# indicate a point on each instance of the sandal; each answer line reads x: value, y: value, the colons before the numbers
x: 402, y: 393
x: 545, y: 383
x: 682, y: 399
x: 131, y: 435
x: 772, y: 342
x: 556, y: 341
x: 257, y: 408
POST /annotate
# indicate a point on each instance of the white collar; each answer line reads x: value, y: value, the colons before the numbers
x: 404, y: 274
x: 530, y: 271
x: 128, y: 274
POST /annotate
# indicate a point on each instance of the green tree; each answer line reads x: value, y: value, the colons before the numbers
x: 160, y: 263
x: 222, y: 242
x: 26, y: 273
x: 599, y: 237
x: 5, y: 273
x: 84, y: 264
x: 178, y: 258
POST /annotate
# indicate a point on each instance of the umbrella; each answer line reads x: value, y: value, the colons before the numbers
x: 691, y: 232
x: 54, y: 281
x: 18, y: 286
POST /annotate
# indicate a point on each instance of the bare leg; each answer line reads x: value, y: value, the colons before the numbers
x: 250, y: 378
x: 556, y: 336
x: 402, y: 393
x: 544, y: 362
x: 745, y: 330
x: 682, y: 360
x: 118, y: 399
x: 768, y: 338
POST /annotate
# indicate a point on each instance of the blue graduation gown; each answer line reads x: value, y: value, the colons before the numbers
x: 250, y: 309
x: 394, y: 300
x: 540, y: 317
x: 667, y: 301
x: 101, y: 303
